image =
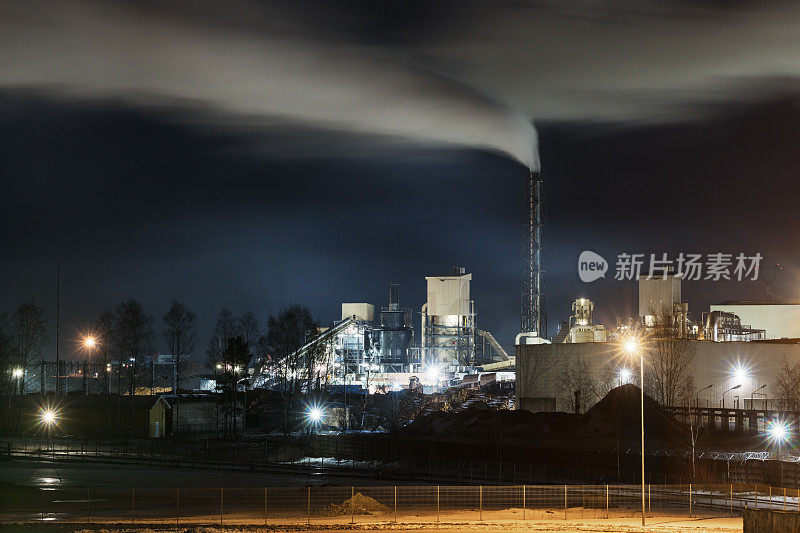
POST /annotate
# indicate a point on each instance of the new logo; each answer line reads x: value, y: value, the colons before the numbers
x: 591, y: 266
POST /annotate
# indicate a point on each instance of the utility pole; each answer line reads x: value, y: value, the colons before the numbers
x: 58, y: 324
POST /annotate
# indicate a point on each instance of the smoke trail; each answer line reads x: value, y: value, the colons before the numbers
x: 104, y: 50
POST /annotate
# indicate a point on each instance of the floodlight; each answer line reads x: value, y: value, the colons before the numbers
x: 630, y: 346
x: 48, y: 416
x: 778, y: 431
x: 315, y: 414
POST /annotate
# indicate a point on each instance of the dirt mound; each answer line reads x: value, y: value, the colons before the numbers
x: 357, y: 505
x: 620, y: 410
x: 613, y: 420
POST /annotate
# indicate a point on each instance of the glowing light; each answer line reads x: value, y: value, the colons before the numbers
x: 630, y: 346
x: 740, y: 374
x: 89, y: 342
x: 17, y: 372
x: 433, y: 373
x: 48, y: 416
x: 625, y: 375
x: 778, y: 431
x: 315, y: 414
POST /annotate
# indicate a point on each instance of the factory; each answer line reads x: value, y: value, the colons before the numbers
x: 377, y: 349
x: 732, y: 357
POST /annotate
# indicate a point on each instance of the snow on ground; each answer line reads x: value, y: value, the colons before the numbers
x: 613, y: 525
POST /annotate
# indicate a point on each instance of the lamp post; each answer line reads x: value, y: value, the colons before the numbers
x: 739, y: 386
x: 89, y: 344
x: 752, y: 395
x: 18, y: 373
x: 631, y: 346
x: 697, y: 396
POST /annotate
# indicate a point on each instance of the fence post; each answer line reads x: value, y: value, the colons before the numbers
x: 770, y: 497
x: 133, y: 504
x: 607, y: 515
x: 395, y: 504
x: 690, y: 500
x: 265, y: 506
x: 353, y: 515
x: 480, y: 502
x: 649, y: 510
x: 523, y: 502
x: 88, y: 511
x: 308, y: 507
x: 220, y: 506
x: 565, y: 502
x: 756, y: 493
x: 784, y: 498
x: 731, y: 499
x: 437, y: 503
x: 177, y: 508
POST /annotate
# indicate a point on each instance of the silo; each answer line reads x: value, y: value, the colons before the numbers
x: 395, y: 334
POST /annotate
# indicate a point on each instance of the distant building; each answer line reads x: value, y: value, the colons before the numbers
x: 741, y: 373
x: 780, y: 319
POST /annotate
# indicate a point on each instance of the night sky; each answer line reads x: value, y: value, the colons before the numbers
x: 253, y: 155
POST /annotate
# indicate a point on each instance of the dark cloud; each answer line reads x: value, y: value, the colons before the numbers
x: 265, y: 153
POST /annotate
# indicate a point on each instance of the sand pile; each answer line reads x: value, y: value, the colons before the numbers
x: 357, y: 505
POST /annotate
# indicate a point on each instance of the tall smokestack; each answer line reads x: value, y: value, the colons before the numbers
x: 534, y: 316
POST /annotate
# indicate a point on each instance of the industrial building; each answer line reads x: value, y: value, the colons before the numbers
x: 738, y: 351
x: 778, y: 319
x: 722, y: 374
x: 374, y: 350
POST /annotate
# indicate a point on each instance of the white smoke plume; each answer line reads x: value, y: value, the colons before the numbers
x: 106, y: 50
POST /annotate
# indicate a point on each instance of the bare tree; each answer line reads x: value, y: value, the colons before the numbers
x: 28, y: 327
x: 286, y: 334
x: 578, y: 386
x: 670, y: 364
x: 236, y: 357
x: 248, y: 329
x: 7, y: 382
x: 180, y: 330
x: 179, y: 333
x: 225, y: 329
x: 786, y: 386
x: 133, y: 337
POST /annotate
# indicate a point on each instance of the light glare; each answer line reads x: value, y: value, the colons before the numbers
x: 315, y: 414
x: 778, y: 431
x: 739, y: 374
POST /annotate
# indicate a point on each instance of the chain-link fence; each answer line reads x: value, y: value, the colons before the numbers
x: 384, y: 504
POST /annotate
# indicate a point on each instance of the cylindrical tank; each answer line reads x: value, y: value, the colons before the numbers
x: 396, y: 337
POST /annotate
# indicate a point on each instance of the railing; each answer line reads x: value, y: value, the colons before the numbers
x: 274, y: 506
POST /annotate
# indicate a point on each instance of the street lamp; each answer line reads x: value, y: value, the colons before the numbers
x: 48, y: 418
x: 314, y: 416
x: 697, y: 396
x: 18, y: 373
x: 739, y: 386
x: 632, y: 346
x: 752, y: 397
x: 779, y: 433
x: 88, y: 343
